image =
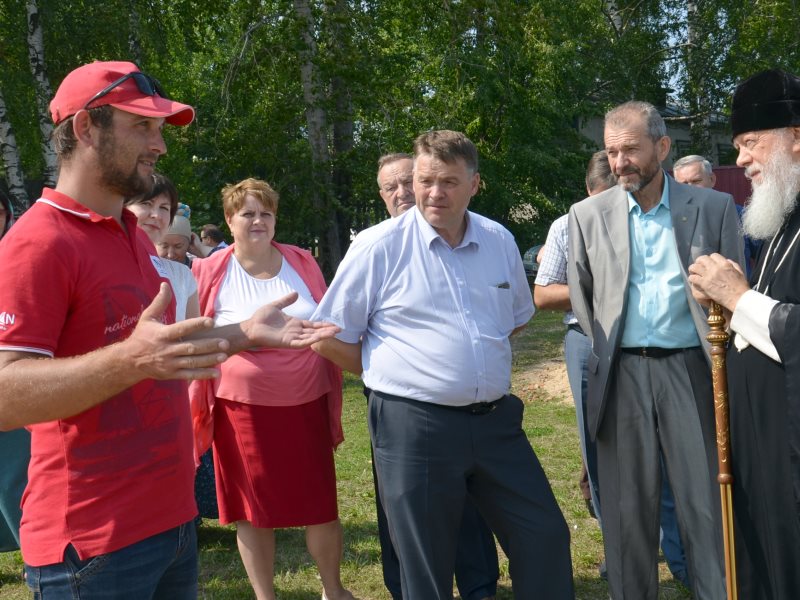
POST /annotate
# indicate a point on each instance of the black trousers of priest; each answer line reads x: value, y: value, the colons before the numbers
x: 430, y: 458
x: 766, y: 503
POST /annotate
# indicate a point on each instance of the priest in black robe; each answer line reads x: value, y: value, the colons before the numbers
x: 764, y: 357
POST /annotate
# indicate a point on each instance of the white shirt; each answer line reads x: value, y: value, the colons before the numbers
x: 183, y: 283
x: 240, y: 294
x: 435, y: 320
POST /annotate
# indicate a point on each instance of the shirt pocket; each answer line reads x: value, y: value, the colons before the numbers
x: 501, y: 307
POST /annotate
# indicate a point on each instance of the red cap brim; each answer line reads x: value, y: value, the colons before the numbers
x: 175, y: 113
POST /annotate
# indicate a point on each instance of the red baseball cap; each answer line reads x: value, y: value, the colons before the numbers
x: 85, y: 83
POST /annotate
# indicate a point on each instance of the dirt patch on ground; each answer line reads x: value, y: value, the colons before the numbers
x: 549, y: 377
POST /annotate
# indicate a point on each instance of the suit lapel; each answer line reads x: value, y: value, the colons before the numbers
x: 615, y: 217
x: 684, y: 220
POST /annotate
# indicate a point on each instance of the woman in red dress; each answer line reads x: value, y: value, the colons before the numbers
x: 276, y: 413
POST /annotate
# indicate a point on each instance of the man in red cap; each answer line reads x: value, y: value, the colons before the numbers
x: 763, y: 362
x: 91, y: 361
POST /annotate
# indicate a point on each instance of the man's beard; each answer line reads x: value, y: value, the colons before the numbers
x: 646, y: 175
x: 128, y: 185
x: 774, y: 199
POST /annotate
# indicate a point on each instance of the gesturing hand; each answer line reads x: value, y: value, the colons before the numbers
x: 158, y: 351
x: 271, y: 327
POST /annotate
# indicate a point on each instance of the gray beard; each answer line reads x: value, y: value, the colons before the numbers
x: 645, y: 177
x: 774, y: 199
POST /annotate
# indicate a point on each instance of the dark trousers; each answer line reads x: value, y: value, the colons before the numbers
x: 577, y: 348
x: 430, y: 459
x: 476, y: 567
x: 659, y: 407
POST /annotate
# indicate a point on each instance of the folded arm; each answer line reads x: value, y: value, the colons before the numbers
x: 345, y: 355
x: 552, y: 297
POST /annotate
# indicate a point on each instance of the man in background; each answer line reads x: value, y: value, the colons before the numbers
x: 550, y: 292
x: 212, y: 237
x: 696, y: 170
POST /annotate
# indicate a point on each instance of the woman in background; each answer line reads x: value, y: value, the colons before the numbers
x: 276, y: 413
x: 155, y: 212
x: 161, y: 217
x: 178, y: 243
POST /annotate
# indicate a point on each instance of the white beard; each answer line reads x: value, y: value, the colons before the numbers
x: 774, y: 199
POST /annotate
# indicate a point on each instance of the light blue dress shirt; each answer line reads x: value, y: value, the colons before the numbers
x: 435, y: 320
x: 658, y: 310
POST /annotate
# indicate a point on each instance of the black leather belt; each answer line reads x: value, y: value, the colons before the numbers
x: 653, y: 351
x: 477, y: 408
x: 575, y: 327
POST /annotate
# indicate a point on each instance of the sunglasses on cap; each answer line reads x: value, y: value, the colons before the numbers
x: 146, y: 84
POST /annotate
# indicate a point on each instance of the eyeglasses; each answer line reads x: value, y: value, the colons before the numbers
x: 146, y: 84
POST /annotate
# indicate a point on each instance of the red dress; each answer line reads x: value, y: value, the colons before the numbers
x: 276, y: 419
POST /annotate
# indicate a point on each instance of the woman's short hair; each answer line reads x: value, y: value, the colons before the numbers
x: 233, y: 195
x: 161, y: 185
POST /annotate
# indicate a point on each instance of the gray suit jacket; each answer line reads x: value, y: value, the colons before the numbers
x: 598, y: 269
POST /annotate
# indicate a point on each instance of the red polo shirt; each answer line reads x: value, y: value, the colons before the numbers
x: 72, y: 281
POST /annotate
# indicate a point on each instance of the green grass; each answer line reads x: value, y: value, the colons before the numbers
x: 550, y: 425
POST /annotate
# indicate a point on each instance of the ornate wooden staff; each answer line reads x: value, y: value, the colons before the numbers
x: 718, y: 338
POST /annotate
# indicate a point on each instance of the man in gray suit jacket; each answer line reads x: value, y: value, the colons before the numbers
x: 649, y: 384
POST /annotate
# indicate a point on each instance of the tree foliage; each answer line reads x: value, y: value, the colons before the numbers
x: 520, y: 77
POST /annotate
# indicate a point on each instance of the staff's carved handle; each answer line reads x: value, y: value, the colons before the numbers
x: 718, y: 338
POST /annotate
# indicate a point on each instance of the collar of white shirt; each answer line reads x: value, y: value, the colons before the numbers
x: 429, y: 233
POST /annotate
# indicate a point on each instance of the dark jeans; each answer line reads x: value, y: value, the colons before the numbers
x: 161, y: 567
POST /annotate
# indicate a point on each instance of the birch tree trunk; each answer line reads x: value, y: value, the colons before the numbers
x: 134, y: 39
x: 614, y: 16
x: 11, y: 162
x: 317, y: 123
x: 43, y: 92
x: 343, y: 127
x: 700, y: 113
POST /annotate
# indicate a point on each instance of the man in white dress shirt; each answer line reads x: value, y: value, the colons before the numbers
x: 434, y: 295
x: 476, y: 566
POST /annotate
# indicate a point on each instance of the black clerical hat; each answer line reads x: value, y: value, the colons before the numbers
x: 767, y: 100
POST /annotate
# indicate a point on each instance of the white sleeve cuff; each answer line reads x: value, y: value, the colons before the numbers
x: 750, y: 321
